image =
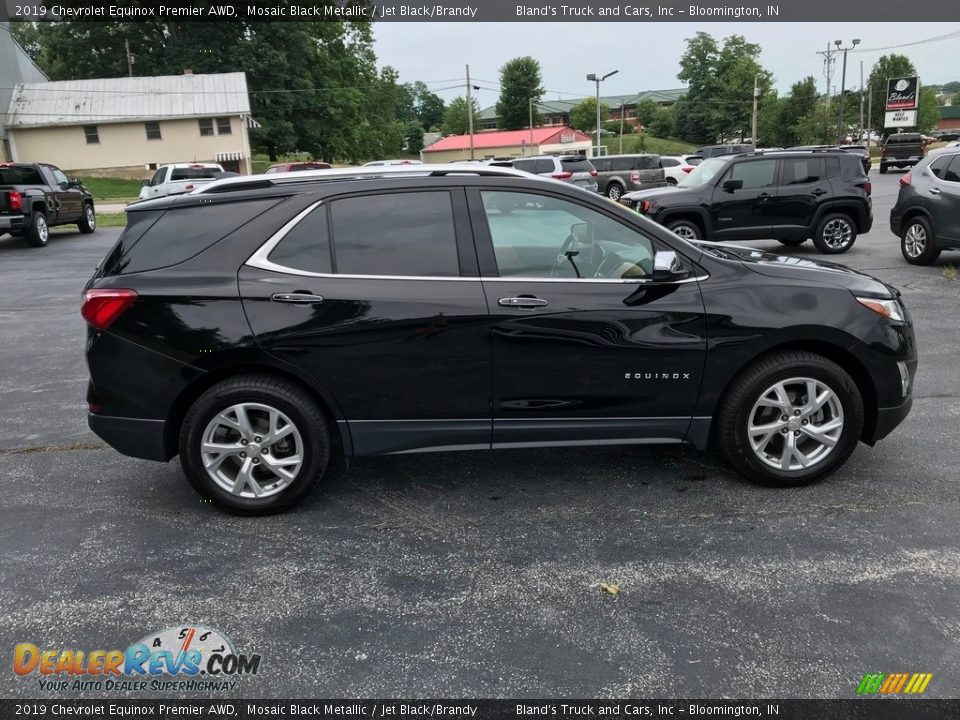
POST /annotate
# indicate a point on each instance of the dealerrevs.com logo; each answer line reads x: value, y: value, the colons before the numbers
x: 176, y: 659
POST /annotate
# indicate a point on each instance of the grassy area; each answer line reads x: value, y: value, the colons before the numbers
x: 659, y: 146
x: 112, y: 189
x: 105, y: 220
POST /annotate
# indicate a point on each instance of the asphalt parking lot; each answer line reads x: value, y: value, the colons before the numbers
x: 476, y: 575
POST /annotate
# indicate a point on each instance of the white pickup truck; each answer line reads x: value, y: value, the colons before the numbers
x: 179, y: 178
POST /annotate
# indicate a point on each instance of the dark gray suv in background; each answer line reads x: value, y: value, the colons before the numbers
x: 619, y: 174
x: 926, y: 215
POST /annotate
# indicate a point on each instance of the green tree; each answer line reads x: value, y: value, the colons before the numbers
x: 413, y: 137
x: 646, y: 111
x: 783, y: 129
x: 719, y: 100
x: 428, y: 106
x: 455, y: 119
x: 888, y: 66
x: 583, y: 115
x: 928, y: 112
x: 955, y: 100
x: 661, y: 125
x: 819, y: 126
x: 520, y: 82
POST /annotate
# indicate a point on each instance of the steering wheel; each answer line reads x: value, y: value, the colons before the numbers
x: 562, y: 260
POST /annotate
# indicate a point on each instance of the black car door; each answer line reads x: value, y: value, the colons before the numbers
x: 802, y: 188
x: 742, y: 202
x: 376, y: 296
x: 586, y: 347
x: 69, y: 200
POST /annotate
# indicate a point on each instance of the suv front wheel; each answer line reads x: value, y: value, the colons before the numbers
x: 686, y: 229
x: 790, y: 419
x: 835, y: 234
x: 254, y: 444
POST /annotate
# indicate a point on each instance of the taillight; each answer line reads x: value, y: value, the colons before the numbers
x: 687, y: 169
x: 868, y: 187
x: 15, y: 200
x: 635, y: 177
x: 593, y: 173
x: 564, y: 175
x: 906, y: 180
x: 883, y: 151
x: 102, y: 307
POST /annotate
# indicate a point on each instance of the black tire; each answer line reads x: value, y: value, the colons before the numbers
x: 309, y: 440
x: 38, y: 232
x: 88, y: 220
x: 671, y: 181
x: 883, y: 169
x: 614, y: 191
x: 686, y: 229
x: 739, y: 403
x: 836, y: 233
x: 792, y: 242
x: 917, y: 242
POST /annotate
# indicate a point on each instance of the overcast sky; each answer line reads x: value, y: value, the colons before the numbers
x: 647, y: 55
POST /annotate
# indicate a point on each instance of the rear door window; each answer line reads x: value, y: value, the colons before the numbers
x: 396, y: 234
x: 938, y: 166
x: 952, y: 173
x: 307, y: 245
x: 799, y: 171
x: 576, y: 165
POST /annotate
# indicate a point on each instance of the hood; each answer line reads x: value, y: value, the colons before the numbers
x: 795, y: 268
x: 654, y: 193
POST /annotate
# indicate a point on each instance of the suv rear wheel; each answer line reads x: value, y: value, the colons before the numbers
x: 254, y: 444
x: 790, y: 419
x: 614, y: 191
x: 835, y: 234
x: 917, y: 242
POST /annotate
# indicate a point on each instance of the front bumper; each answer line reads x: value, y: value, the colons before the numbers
x: 134, y: 437
x: 888, y: 419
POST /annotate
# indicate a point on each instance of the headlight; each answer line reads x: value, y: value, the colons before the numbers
x: 890, y: 309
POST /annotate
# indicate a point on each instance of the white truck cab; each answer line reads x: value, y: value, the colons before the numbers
x: 179, y: 178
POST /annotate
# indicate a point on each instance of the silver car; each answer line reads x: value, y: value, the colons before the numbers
x: 573, y: 169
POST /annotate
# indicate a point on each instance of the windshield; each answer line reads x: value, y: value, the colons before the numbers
x: 704, y: 172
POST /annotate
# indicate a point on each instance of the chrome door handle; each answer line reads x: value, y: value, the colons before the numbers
x: 819, y: 191
x: 934, y: 191
x: 296, y: 298
x: 523, y: 302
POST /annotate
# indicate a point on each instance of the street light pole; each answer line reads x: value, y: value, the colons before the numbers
x: 843, y: 76
x: 598, y: 79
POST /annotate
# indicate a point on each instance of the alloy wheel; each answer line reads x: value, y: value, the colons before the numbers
x: 915, y: 240
x: 613, y: 192
x: 837, y: 233
x: 795, y: 424
x: 91, y: 218
x: 252, y: 450
x: 43, y: 232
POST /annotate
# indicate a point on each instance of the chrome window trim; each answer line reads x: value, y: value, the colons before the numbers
x: 260, y: 259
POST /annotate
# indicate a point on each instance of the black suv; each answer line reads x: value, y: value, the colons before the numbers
x: 262, y: 324
x: 786, y: 195
x: 926, y: 215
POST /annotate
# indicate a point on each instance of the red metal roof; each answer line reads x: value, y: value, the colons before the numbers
x: 506, y: 138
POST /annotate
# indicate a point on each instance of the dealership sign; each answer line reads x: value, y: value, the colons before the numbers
x: 901, y: 119
x: 902, y: 93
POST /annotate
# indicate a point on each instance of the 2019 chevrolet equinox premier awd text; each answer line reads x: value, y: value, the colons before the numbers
x: 261, y: 324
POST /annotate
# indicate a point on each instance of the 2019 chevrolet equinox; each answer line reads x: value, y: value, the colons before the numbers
x: 261, y: 324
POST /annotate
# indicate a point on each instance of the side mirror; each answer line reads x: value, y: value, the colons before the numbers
x: 74, y: 183
x: 145, y: 183
x: 668, y: 267
x: 731, y: 185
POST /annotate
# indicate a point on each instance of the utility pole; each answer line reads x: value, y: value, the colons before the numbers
x: 869, y: 115
x: 843, y: 80
x: 126, y: 44
x: 828, y: 67
x: 470, y: 111
x: 753, y: 124
x: 860, y: 132
x: 621, y: 125
x: 530, y: 103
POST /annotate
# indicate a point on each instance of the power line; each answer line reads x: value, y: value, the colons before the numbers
x: 910, y: 44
